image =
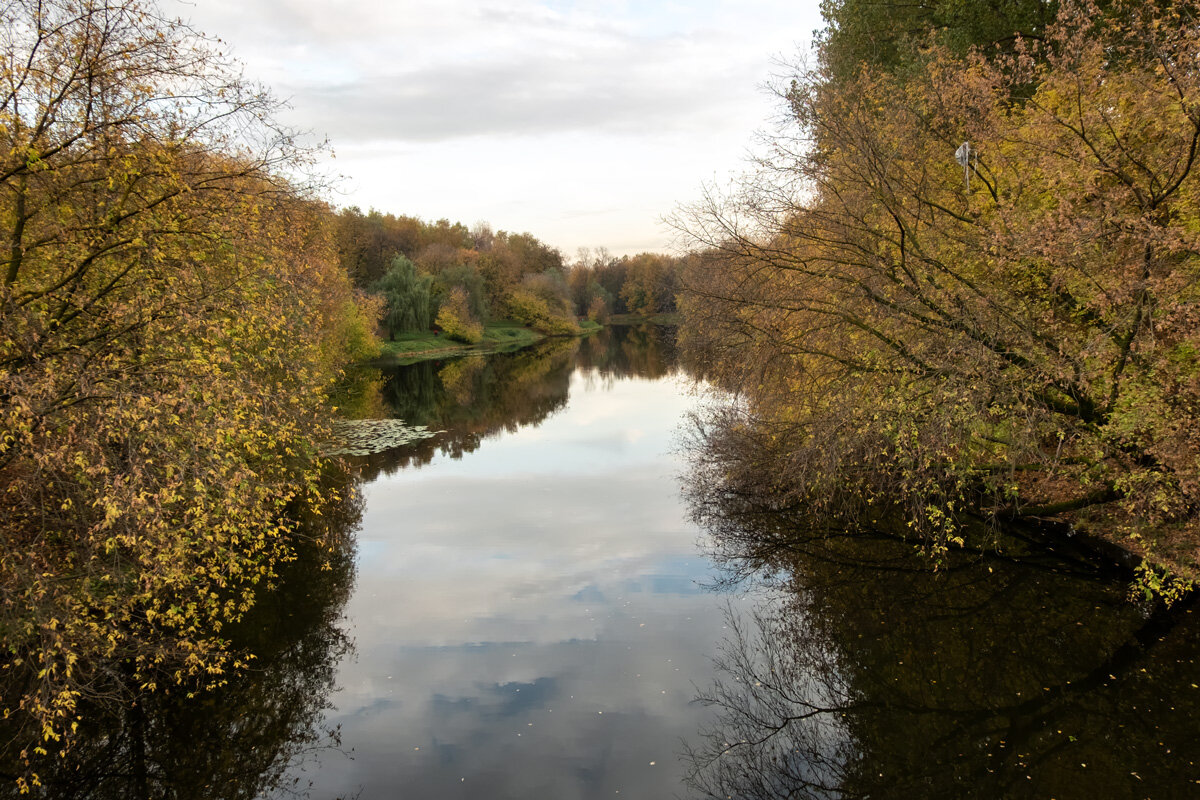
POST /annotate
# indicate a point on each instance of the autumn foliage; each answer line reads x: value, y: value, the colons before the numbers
x: 1015, y: 337
x: 455, y: 318
x: 173, y: 317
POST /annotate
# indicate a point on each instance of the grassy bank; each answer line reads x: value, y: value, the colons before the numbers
x: 498, y: 336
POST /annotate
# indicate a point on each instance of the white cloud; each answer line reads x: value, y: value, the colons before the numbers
x: 658, y: 94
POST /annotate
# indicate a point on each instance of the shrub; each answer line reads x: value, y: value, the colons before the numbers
x: 529, y: 309
x: 455, y: 318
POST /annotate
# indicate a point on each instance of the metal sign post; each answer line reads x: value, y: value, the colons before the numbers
x: 963, y: 156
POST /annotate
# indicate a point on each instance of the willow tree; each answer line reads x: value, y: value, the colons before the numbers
x: 1017, y: 338
x: 408, y: 304
x: 172, y: 318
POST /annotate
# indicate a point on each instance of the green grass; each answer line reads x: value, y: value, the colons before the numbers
x: 506, y: 332
x: 498, y: 336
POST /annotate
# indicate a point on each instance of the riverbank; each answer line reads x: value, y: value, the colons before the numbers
x: 671, y: 318
x: 498, y: 337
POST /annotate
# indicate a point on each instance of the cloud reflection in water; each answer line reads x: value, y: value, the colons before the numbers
x: 527, y: 617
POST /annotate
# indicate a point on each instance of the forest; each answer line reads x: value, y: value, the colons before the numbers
x: 454, y: 279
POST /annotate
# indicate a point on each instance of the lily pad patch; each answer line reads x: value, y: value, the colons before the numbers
x: 364, y: 437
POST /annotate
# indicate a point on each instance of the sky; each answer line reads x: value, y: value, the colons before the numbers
x: 583, y: 122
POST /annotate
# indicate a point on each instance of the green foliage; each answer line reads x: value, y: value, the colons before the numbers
x: 650, y: 284
x: 468, y: 279
x: 891, y: 34
x: 643, y: 284
x: 408, y: 301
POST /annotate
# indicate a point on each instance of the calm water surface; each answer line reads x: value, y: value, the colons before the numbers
x: 529, y: 618
x: 528, y: 610
x: 536, y: 616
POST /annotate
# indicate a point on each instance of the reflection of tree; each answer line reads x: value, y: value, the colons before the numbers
x: 472, y: 398
x: 240, y: 740
x: 1000, y: 674
x: 779, y: 731
x: 630, y: 351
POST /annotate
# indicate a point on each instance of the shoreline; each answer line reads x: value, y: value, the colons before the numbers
x: 501, y: 337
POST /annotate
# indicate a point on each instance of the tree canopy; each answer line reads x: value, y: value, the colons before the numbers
x: 172, y: 317
x: 1015, y: 337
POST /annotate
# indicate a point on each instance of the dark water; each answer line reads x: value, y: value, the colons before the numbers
x: 1009, y: 672
x: 243, y: 741
x: 530, y: 611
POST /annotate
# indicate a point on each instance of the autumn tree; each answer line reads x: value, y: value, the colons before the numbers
x: 468, y: 279
x: 172, y: 319
x: 889, y: 34
x: 1015, y: 334
x: 438, y: 257
x: 645, y: 283
x: 650, y: 284
x: 543, y: 302
x: 367, y: 242
x: 455, y: 317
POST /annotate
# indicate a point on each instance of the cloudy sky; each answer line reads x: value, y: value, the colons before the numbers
x: 583, y: 122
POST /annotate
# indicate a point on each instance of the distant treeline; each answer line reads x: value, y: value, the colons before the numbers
x: 446, y: 276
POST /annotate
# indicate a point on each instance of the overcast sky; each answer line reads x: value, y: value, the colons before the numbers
x: 583, y: 122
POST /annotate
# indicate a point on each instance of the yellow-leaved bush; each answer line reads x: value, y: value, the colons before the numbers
x: 530, y: 309
x: 455, y: 319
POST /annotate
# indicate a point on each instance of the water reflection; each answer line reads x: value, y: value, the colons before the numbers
x: 1010, y: 672
x: 630, y: 351
x: 529, y: 619
x: 250, y: 738
x: 472, y: 398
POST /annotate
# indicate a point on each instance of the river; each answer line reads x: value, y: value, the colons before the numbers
x: 551, y: 605
x: 548, y: 599
x: 530, y: 613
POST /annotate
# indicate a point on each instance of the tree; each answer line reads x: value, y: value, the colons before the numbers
x: 1023, y: 347
x: 456, y: 320
x: 367, y: 242
x: 650, y: 284
x: 407, y: 297
x: 889, y: 35
x: 543, y: 302
x: 171, y: 314
x: 467, y: 278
